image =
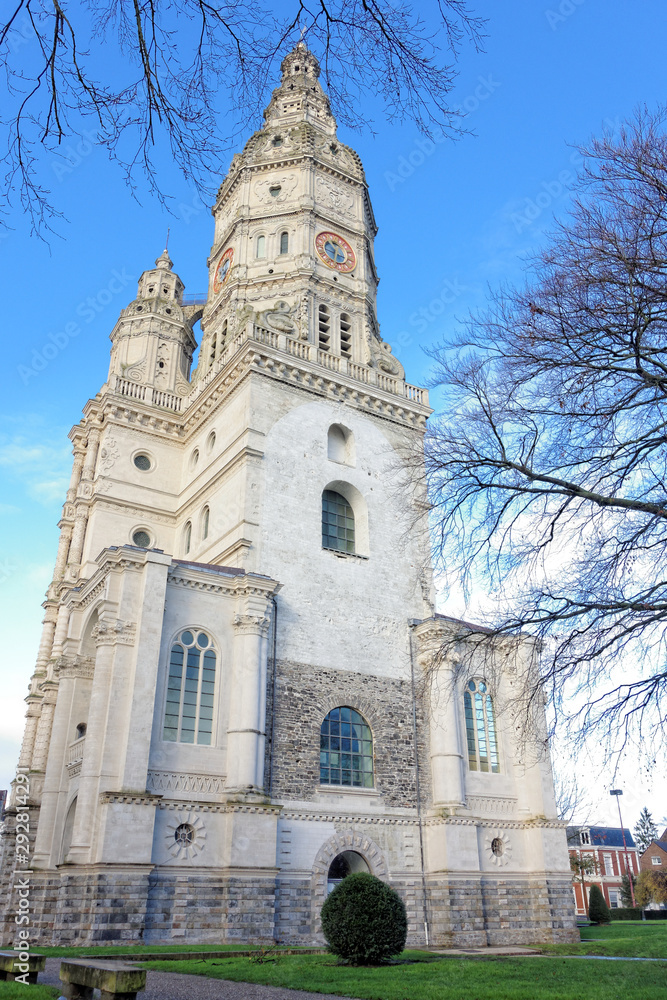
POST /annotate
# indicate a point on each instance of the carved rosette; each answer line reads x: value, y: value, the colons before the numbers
x: 498, y: 847
x: 186, y: 835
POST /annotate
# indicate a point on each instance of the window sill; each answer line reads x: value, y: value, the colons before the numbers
x: 345, y: 555
x: 338, y: 790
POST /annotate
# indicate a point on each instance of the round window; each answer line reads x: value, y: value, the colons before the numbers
x: 142, y: 462
x: 184, y: 834
x: 141, y: 539
x: 497, y: 847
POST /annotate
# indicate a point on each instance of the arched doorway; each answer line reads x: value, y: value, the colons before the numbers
x: 346, y: 863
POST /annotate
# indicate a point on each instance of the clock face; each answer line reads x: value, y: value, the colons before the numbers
x: 335, y: 252
x: 223, y: 269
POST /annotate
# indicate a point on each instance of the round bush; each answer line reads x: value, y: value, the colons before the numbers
x: 364, y: 920
x: 598, y: 911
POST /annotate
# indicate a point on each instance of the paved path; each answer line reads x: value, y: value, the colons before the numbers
x: 175, y: 986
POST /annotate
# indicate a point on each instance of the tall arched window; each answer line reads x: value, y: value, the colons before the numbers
x: 345, y: 336
x: 213, y: 349
x: 337, y: 522
x: 284, y: 242
x: 261, y: 246
x: 346, y: 749
x: 187, y: 537
x: 204, y: 522
x: 480, y: 728
x: 324, y: 328
x: 188, y: 716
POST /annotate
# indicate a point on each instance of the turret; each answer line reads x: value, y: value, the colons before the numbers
x: 153, y: 342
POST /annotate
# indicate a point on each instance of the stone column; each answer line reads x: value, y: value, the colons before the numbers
x: 78, y: 536
x: 48, y: 633
x: 77, y: 465
x: 443, y: 708
x: 43, y: 735
x: 87, y: 804
x: 60, y: 631
x: 88, y: 471
x: 63, y: 550
x: 30, y: 731
x: 60, y: 738
x: 247, y: 708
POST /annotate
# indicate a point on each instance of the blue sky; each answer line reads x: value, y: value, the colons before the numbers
x: 455, y: 218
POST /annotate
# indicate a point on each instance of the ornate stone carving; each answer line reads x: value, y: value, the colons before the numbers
x: 481, y: 804
x: 498, y: 847
x: 76, y: 666
x: 174, y: 781
x: 282, y: 318
x: 384, y: 360
x: 252, y: 624
x: 334, y: 195
x: 110, y: 633
x: 186, y: 835
x: 109, y: 454
x: 285, y: 182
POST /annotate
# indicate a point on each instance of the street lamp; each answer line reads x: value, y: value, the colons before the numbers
x: 617, y: 792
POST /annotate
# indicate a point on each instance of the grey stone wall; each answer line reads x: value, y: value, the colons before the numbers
x: 304, y: 695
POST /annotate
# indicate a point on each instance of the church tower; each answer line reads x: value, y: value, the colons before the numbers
x: 240, y: 694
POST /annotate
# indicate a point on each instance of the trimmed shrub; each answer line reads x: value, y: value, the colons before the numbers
x: 625, y: 913
x: 364, y: 920
x: 598, y: 911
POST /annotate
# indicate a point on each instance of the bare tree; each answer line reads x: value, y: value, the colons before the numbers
x: 572, y: 801
x: 136, y: 75
x: 548, y: 471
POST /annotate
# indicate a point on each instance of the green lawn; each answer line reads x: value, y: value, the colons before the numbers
x: 639, y: 939
x: 18, y: 991
x: 138, y: 949
x: 446, y: 978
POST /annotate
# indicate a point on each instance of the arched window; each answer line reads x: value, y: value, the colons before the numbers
x: 261, y: 246
x: 213, y: 349
x: 188, y: 716
x: 337, y: 522
x: 480, y: 728
x: 204, y: 522
x: 284, y: 242
x: 81, y: 730
x: 345, y: 336
x: 187, y: 537
x: 346, y: 749
x: 223, y: 334
x: 324, y: 328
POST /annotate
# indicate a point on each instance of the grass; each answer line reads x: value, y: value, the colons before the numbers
x: 626, y: 938
x: 18, y: 991
x: 430, y: 978
x: 138, y: 949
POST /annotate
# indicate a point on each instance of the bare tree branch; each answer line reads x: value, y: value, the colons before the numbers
x: 548, y: 476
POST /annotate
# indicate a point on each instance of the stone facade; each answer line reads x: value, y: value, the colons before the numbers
x: 201, y: 625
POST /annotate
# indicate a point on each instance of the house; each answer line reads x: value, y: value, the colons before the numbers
x: 612, y: 858
x: 655, y: 855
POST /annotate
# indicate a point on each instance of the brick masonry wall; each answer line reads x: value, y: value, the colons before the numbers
x: 304, y: 695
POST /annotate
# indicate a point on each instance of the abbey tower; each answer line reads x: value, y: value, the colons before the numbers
x: 230, y: 708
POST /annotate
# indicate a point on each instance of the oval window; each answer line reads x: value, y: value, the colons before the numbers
x: 142, y: 462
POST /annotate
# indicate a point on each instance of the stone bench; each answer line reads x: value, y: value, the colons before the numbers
x: 115, y: 980
x: 21, y: 965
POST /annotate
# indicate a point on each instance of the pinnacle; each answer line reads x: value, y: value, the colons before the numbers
x: 164, y: 261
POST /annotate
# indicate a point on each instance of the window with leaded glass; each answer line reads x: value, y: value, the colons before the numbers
x: 188, y: 714
x: 337, y: 522
x: 480, y: 728
x: 346, y: 749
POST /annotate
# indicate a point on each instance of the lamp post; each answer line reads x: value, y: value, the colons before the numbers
x: 618, y: 792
